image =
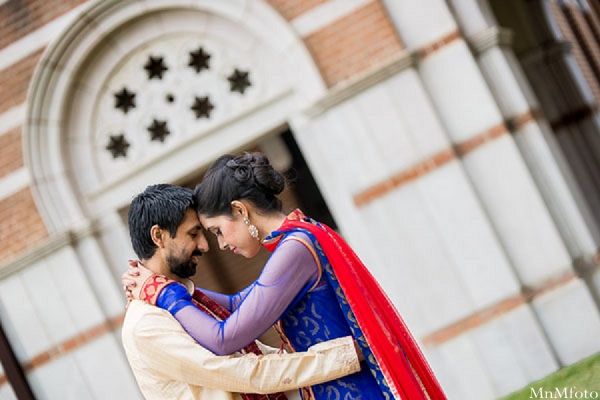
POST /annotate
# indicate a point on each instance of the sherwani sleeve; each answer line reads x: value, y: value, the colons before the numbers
x: 167, y: 349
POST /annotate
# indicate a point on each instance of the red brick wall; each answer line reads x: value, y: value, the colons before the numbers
x: 21, y: 225
x: 21, y: 17
x: 563, y: 23
x: 11, y: 154
x: 290, y: 9
x: 354, y: 43
x: 14, y: 81
x: 585, y: 37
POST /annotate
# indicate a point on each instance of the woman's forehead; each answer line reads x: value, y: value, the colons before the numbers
x: 209, y: 222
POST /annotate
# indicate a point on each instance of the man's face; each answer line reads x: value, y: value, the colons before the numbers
x: 183, y: 250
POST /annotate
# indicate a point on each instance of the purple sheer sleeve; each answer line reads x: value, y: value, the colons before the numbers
x: 289, y: 272
x: 229, y: 301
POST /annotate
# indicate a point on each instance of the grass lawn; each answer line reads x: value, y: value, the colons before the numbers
x: 585, y: 375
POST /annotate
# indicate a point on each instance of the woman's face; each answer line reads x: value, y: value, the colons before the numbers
x: 232, y: 233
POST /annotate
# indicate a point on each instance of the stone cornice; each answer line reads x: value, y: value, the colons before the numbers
x: 490, y: 38
x: 338, y: 94
x: 51, y: 245
x: 552, y: 50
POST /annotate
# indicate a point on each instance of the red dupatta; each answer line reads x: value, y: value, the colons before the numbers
x: 401, y: 361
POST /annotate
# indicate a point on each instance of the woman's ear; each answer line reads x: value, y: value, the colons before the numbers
x: 238, y: 208
x: 156, y: 233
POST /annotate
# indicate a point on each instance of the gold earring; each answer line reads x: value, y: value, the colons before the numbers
x: 252, y: 229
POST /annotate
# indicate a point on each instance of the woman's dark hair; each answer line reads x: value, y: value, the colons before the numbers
x: 249, y: 176
x: 163, y: 205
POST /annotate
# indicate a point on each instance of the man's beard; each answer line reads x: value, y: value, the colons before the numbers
x: 182, y: 268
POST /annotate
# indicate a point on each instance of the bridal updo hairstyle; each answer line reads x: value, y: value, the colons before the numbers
x: 249, y: 177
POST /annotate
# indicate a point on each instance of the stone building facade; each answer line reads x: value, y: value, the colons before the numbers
x: 454, y: 143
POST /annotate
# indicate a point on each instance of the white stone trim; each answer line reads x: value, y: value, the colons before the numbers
x: 12, y: 118
x: 473, y: 16
x: 37, y: 39
x: 490, y: 38
x: 420, y: 23
x: 13, y: 182
x: 325, y: 14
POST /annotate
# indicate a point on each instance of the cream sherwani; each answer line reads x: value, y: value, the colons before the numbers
x: 169, y: 364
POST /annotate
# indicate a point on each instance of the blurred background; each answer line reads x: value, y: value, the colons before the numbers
x: 454, y: 143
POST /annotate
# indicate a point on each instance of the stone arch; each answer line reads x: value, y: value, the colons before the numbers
x: 75, y: 117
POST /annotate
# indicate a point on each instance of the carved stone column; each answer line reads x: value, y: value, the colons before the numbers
x: 473, y: 116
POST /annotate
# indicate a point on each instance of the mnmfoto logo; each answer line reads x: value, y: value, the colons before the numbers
x: 564, y: 393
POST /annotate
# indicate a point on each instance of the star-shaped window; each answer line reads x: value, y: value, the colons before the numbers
x: 118, y: 146
x: 125, y: 100
x: 158, y: 130
x: 155, y: 67
x: 199, y: 60
x: 239, y: 81
x: 202, y: 107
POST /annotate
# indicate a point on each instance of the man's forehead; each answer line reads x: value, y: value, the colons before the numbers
x: 191, y: 219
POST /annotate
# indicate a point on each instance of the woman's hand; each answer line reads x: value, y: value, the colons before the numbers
x: 133, y: 279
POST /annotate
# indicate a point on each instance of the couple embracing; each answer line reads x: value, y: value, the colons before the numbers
x: 343, y: 336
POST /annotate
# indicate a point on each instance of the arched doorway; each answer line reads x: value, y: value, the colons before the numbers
x: 134, y: 94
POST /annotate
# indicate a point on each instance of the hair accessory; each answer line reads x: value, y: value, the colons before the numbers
x: 252, y: 229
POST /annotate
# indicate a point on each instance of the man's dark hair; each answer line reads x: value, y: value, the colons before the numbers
x: 163, y: 205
